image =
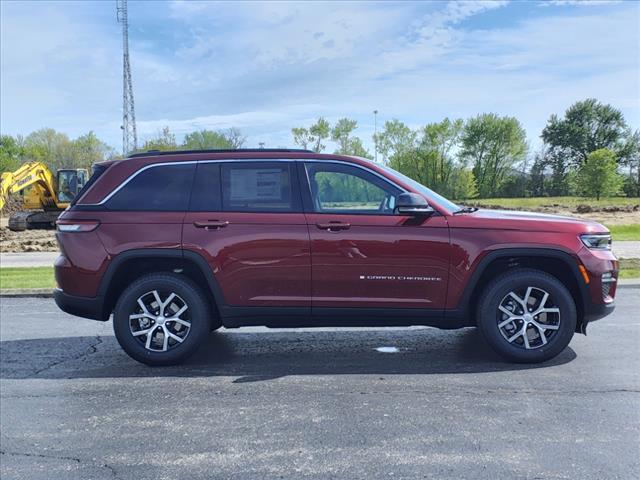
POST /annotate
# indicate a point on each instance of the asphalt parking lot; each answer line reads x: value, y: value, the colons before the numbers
x: 258, y: 403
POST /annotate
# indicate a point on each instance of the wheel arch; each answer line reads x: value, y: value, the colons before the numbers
x: 558, y: 263
x: 132, y: 264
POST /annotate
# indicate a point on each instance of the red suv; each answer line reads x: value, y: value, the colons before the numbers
x: 176, y: 244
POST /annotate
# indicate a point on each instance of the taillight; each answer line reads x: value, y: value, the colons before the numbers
x: 77, y: 226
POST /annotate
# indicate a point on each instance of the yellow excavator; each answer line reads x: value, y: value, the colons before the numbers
x: 44, y: 196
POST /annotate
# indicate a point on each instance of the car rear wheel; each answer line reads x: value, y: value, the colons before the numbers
x: 161, y: 319
x: 527, y: 316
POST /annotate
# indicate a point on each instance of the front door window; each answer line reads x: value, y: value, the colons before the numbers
x: 339, y: 188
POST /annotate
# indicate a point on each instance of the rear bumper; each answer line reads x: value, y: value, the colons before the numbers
x: 86, y: 307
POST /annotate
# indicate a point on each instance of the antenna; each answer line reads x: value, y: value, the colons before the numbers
x: 129, y: 134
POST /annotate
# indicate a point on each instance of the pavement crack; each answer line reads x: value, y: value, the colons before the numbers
x: 77, y: 460
x: 39, y: 455
x: 91, y: 349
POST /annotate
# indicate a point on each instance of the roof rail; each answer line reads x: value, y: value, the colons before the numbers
x: 153, y: 153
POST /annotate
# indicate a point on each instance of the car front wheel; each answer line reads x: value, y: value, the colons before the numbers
x: 527, y: 316
x: 161, y: 319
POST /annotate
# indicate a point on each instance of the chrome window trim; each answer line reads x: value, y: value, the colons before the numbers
x: 237, y: 160
x: 339, y: 162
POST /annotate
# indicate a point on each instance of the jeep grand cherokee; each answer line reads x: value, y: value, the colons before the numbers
x: 176, y: 244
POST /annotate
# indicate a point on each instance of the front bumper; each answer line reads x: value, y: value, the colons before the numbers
x: 598, y: 311
x: 595, y: 311
x: 598, y: 294
x: 86, y: 307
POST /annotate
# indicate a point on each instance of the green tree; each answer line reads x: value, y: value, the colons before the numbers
x: 56, y: 149
x: 347, y: 144
x: 88, y: 149
x: 587, y: 126
x: 163, y: 140
x: 435, y: 147
x: 301, y: 137
x: 426, y: 155
x: 11, y: 153
x: 394, y: 139
x: 341, y: 134
x: 493, y: 145
x: 235, y: 137
x: 632, y: 162
x: 537, y: 179
x: 462, y: 184
x: 210, y: 139
x: 598, y: 175
x: 312, y: 137
x: 53, y: 148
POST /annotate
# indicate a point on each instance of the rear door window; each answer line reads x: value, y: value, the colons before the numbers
x: 206, y: 195
x: 260, y: 187
x: 163, y: 188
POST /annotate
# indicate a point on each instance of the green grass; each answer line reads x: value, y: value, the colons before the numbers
x: 625, y: 232
x: 569, y: 202
x: 38, y: 277
x: 630, y: 268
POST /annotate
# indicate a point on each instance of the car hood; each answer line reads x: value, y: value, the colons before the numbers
x: 517, y: 220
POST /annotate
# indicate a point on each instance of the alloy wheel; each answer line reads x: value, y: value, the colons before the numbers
x: 160, y: 321
x: 528, y: 318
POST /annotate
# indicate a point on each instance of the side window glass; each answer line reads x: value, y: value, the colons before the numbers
x: 159, y: 188
x: 259, y: 187
x: 206, y: 195
x: 337, y: 188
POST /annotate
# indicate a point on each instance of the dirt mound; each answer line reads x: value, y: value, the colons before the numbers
x: 584, y: 208
x: 12, y: 205
x: 28, y: 241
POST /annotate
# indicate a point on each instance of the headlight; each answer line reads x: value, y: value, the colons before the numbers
x: 597, y: 241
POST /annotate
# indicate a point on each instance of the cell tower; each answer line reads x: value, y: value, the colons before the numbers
x: 129, y: 134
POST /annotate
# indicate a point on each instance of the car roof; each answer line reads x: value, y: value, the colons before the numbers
x: 258, y: 154
x: 155, y: 153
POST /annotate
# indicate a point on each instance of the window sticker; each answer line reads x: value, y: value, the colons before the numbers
x: 248, y: 184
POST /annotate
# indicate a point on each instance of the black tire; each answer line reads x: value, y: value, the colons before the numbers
x: 528, y: 350
x: 187, y: 293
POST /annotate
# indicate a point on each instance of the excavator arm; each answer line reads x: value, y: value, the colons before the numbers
x: 30, y: 174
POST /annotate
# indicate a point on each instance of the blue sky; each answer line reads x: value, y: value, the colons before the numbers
x: 265, y: 67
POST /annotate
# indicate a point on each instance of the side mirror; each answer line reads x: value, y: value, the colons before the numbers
x: 412, y: 204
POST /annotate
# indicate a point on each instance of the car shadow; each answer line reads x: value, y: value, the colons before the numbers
x: 253, y: 357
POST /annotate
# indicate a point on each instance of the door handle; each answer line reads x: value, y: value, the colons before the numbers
x: 211, y: 224
x: 333, y: 226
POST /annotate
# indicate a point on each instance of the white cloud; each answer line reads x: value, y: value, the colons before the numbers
x: 579, y: 3
x: 243, y: 120
x: 264, y: 67
x: 275, y: 34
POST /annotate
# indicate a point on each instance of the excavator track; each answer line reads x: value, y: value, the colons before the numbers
x: 22, y: 221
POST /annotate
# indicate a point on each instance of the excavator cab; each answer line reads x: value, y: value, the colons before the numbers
x: 70, y: 181
x: 44, y: 195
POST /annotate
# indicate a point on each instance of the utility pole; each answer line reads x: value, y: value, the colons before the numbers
x: 375, y: 134
x: 129, y: 134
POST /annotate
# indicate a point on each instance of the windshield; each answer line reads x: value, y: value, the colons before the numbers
x: 67, y: 185
x: 427, y: 192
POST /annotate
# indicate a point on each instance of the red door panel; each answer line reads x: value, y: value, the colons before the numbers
x: 378, y: 261
x: 258, y: 259
x: 122, y: 231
